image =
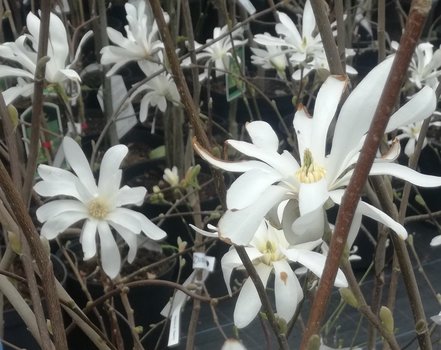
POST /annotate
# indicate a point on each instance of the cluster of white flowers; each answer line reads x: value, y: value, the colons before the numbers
x: 23, y: 51
x: 143, y: 45
x: 304, y: 50
x: 294, y: 196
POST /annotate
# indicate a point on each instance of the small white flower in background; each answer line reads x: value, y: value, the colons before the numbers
x: 218, y: 52
x: 412, y: 132
x: 274, y: 178
x: 233, y: 344
x: 270, y: 57
x: 24, y: 52
x: 305, y: 50
x: 270, y: 252
x: 157, y: 91
x: 425, y: 67
x: 437, y: 319
x: 171, y: 176
x: 101, y: 206
x: 142, y: 38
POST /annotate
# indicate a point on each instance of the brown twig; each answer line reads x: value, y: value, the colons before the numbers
x: 350, y: 200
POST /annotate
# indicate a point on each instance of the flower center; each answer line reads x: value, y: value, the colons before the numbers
x: 98, y: 208
x: 310, y: 172
x: 270, y: 253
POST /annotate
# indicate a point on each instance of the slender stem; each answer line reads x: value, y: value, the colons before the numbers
x: 341, y: 32
x: 37, y: 105
x: 350, y: 200
x: 324, y: 27
x: 381, y: 30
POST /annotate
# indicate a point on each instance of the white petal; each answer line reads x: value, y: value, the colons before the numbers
x: 378, y: 215
x: 88, y: 238
x: 78, y: 162
x: 263, y: 135
x: 70, y: 74
x: 150, y: 229
x: 353, y: 121
x: 248, y: 303
x: 308, y: 20
x: 231, y: 260
x: 130, y: 238
x: 405, y: 173
x: 119, y: 216
x: 314, y: 262
x: 111, y: 162
x: 240, y: 225
x: 213, y: 234
x: 6, y: 71
x: 308, y: 227
x: 312, y: 196
x: 56, y: 207
x: 130, y: 195
x: 436, y: 241
x: 287, y: 290
x: 248, y: 187
x: 57, y: 224
x: 421, y: 106
x: 14, y: 92
x: 110, y: 256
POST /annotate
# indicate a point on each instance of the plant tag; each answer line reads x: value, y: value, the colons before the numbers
x: 202, y: 261
x: 173, y: 336
x: 235, y: 87
x: 126, y: 118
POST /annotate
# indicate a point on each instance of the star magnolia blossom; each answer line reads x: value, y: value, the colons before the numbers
x: 142, y: 41
x: 412, y: 132
x: 274, y: 178
x: 24, y: 52
x: 219, y: 51
x: 157, y: 91
x: 305, y: 49
x: 272, y: 57
x: 425, y: 66
x: 100, y: 206
x: 270, y: 252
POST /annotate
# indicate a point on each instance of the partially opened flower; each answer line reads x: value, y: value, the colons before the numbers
x: 157, y: 91
x: 270, y: 252
x: 24, y: 52
x: 171, y: 176
x: 425, y: 67
x: 271, y: 57
x: 305, y: 50
x: 101, y: 206
x: 141, y: 41
x: 321, y: 176
x: 219, y: 52
x: 412, y: 133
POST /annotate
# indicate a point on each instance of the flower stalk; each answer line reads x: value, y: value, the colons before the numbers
x: 414, y: 26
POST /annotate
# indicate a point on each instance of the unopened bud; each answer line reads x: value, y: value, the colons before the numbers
x: 387, y: 319
x: 348, y: 297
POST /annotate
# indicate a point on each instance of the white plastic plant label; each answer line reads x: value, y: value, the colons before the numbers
x: 202, y: 261
x: 175, y: 320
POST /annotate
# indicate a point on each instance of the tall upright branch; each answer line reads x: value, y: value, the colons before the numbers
x: 414, y: 26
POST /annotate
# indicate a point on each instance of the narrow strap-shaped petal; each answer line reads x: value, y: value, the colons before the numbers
x: 111, y: 162
x: 88, y: 238
x: 57, y: 207
x: 110, y: 255
x: 263, y: 135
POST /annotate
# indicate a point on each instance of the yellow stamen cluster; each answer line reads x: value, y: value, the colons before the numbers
x: 310, y: 172
x: 98, y: 208
x: 270, y: 252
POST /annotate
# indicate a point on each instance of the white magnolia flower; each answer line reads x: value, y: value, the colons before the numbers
x: 99, y: 205
x: 157, y: 91
x: 321, y: 176
x: 270, y: 252
x: 412, y: 132
x: 24, y: 52
x: 142, y: 38
x: 219, y: 51
x: 270, y: 57
x: 171, y: 176
x: 233, y: 344
x: 425, y: 66
x: 305, y: 49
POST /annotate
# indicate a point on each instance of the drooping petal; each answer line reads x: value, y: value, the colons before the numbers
x: 110, y: 256
x: 248, y: 187
x: 263, y: 135
x: 231, y: 260
x: 119, y: 216
x: 150, y: 229
x: 405, y: 173
x: 287, y: 290
x: 314, y: 262
x: 240, y: 225
x: 248, y: 303
x: 88, y: 238
x: 307, y: 227
x: 130, y: 238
